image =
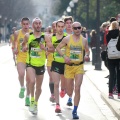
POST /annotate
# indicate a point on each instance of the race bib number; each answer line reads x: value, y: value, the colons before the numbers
x: 57, y: 55
x: 75, y: 52
x: 35, y: 53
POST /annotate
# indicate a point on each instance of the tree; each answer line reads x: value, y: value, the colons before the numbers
x: 108, y: 8
x: 59, y: 7
x: 16, y: 9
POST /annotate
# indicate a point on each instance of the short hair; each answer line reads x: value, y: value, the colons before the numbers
x: 68, y: 18
x: 60, y: 21
x: 37, y: 18
x: 25, y: 19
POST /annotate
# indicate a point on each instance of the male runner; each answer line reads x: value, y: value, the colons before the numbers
x: 21, y: 57
x: 73, y: 56
x: 36, y: 56
x: 57, y: 67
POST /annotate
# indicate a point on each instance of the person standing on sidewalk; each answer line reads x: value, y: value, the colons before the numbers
x: 113, y: 64
x: 75, y: 45
x: 93, y: 45
x: 21, y: 57
x: 0, y: 37
x: 38, y: 43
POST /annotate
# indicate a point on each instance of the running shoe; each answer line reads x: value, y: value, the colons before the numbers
x: 75, y: 116
x: 69, y: 103
x: 57, y: 109
x: 62, y: 93
x: 35, y: 111
x: 21, y: 94
x: 52, y: 98
x: 115, y: 91
x: 111, y: 96
x: 32, y: 105
x: 118, y: 95
x: 27, y: 101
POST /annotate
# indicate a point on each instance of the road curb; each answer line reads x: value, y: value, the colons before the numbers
x: 110, y: 102
x: 112, y: 105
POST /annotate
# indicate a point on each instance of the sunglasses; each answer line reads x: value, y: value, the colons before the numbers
x: 75, y: 28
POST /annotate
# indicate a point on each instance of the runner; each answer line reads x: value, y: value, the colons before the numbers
x: 49, y: 62
x: 73, y: 56
x: 57, y: 67
x: 12, y: 43
x: 21, y: 57
x: 68, y: 28
x: 54, y: 27
x: 68, y: 24
x: 36, y: 56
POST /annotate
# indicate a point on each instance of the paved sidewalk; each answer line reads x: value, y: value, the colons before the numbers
x: 3, y: 43
x: 97, y: 77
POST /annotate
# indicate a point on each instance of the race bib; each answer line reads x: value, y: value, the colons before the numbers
x: 75, y: 52
x: 35, y: 53
x: 57, y: 55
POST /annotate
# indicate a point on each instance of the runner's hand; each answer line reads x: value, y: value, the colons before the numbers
x: 24, y: 49
x: 15, y: 50
x: 42, y: 47
x: 67, y: 60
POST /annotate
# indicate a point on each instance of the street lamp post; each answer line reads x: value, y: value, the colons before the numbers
x: 68, y: 9
x: 71, y: 4
x: 75, y: 6
x: 87, y: 18
x: 98, y: 59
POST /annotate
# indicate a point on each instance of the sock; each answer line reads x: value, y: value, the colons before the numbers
x: 27, y: 96
x: 70, y: 99
x: 75, y: 109
x: 57, y: 104
x: 51, y: 85
x: 22, y: 87
x: 32, y: 99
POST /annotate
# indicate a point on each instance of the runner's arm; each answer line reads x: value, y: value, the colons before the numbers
x: 11, y: 42
x: 49, y: 46
x: 25, y: 40
x: 87, y: 52
x: 15, y: 39
x: 62, y: 44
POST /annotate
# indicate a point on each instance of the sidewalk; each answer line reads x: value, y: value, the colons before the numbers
x: 97, y: 77
x: 3, y: 43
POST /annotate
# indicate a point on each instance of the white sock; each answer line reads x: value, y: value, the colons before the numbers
x: 27, y: 96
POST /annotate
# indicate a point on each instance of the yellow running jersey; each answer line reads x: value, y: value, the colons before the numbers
x: 74, y: 50
x: 21, y: 56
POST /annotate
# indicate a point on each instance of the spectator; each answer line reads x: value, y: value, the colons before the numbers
x: 113, y: 64
x: 93, y: 44
x: 0, y: 37
x: 104, y: 28
x: 7, y: 38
